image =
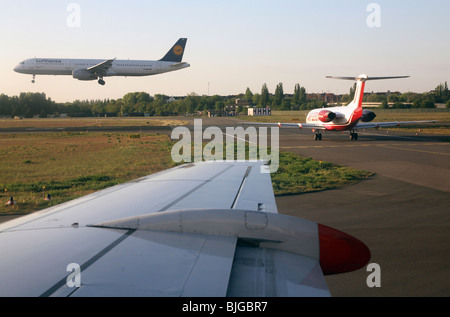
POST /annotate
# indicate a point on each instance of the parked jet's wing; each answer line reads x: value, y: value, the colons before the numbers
x: 366, y: 125
x: 201, y: 229
x: 102, y: 68
x: 286, y: 125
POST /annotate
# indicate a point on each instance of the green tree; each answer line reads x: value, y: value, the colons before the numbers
x: 384, y: 104
x: 5, y: 105
x: 256, y: 98
x: 279, y: 96
x: 248, y: 95
x: 286, y: 104
x: 219, y: 107
x: 299, y: 95
x: 264, y: 97
x: 441, y: 93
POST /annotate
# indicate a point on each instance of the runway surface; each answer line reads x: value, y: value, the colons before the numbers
x: 402, y: 213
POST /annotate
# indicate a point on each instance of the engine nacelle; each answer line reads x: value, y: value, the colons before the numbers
x: 83, y: 74
x: 326, y: 116
x: 367, y: 116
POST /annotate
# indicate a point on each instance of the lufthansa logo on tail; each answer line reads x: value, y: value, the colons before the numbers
x: 178, y: 50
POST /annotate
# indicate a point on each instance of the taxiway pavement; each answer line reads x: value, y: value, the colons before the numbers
x: 402, y: 213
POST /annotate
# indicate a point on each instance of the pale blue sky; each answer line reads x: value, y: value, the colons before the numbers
x: 231, y: 44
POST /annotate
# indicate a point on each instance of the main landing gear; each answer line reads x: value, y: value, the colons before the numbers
x: 101, y: 81
x: 33, y: 80
x: 317, y: 136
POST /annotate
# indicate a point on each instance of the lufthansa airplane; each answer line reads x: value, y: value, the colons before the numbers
x: 93, y: 69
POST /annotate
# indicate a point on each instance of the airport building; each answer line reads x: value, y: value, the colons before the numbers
x: 259, y: 111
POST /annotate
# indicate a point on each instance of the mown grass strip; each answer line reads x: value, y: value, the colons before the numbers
x: 297, y: 175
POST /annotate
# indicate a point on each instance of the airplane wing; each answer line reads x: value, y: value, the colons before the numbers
x: 360, y: 125
x: 102, y: 68
x: 202, y: 229
x: 286, y: 125
x: 366, y: 125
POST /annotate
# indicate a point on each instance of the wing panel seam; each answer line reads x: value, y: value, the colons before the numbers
x: 88, y: 263
x: 233, y: 205
x: 194, y: 189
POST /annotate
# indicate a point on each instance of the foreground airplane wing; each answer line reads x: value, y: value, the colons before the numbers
x: 201, y: 229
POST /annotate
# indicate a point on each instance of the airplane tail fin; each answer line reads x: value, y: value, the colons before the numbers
x: 175, y: 54
x: 360, y: 83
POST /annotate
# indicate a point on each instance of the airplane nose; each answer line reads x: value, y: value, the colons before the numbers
x: 17, y: 68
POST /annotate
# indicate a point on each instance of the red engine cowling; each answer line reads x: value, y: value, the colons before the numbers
x: 367, y: 116
x: 326, y: 116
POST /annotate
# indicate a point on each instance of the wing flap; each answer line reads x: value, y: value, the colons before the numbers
x: 34, y: 262
x: 160, y: 264
x: 267, y: 272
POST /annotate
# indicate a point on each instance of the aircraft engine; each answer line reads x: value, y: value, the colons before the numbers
x: 367, y: 116
x: 326, y: 116
x: 83, y: 74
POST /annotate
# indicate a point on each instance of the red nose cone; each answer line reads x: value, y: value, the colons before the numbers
x: 340, y: 252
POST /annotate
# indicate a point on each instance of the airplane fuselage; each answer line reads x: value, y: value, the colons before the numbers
x: 335, y: 118
x: 93, y: 69
x: 59, y: 66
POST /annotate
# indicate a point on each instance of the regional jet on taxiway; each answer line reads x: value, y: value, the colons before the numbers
x: 93, y: 69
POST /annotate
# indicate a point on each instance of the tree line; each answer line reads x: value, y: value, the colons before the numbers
x: 137, y: 103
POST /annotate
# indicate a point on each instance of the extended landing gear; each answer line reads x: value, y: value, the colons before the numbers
x: 33, y: 80
x: 353, y: 135
x: 317, y: 136
x: 101, y: 81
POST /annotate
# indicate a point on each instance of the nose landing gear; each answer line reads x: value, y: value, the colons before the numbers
x: 34, y: 77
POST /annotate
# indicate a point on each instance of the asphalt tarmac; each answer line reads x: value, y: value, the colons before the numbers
x: 402, y: 213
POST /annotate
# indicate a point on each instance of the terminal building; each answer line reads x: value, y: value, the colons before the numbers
x: 259, y: 111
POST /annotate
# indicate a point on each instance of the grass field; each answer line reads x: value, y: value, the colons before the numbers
x: 89, y: 122
x: 70, y: 165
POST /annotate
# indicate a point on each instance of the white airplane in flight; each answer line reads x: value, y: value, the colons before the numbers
x: 209, y: 229
x: 345, y: 118
x: 93, y: 69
